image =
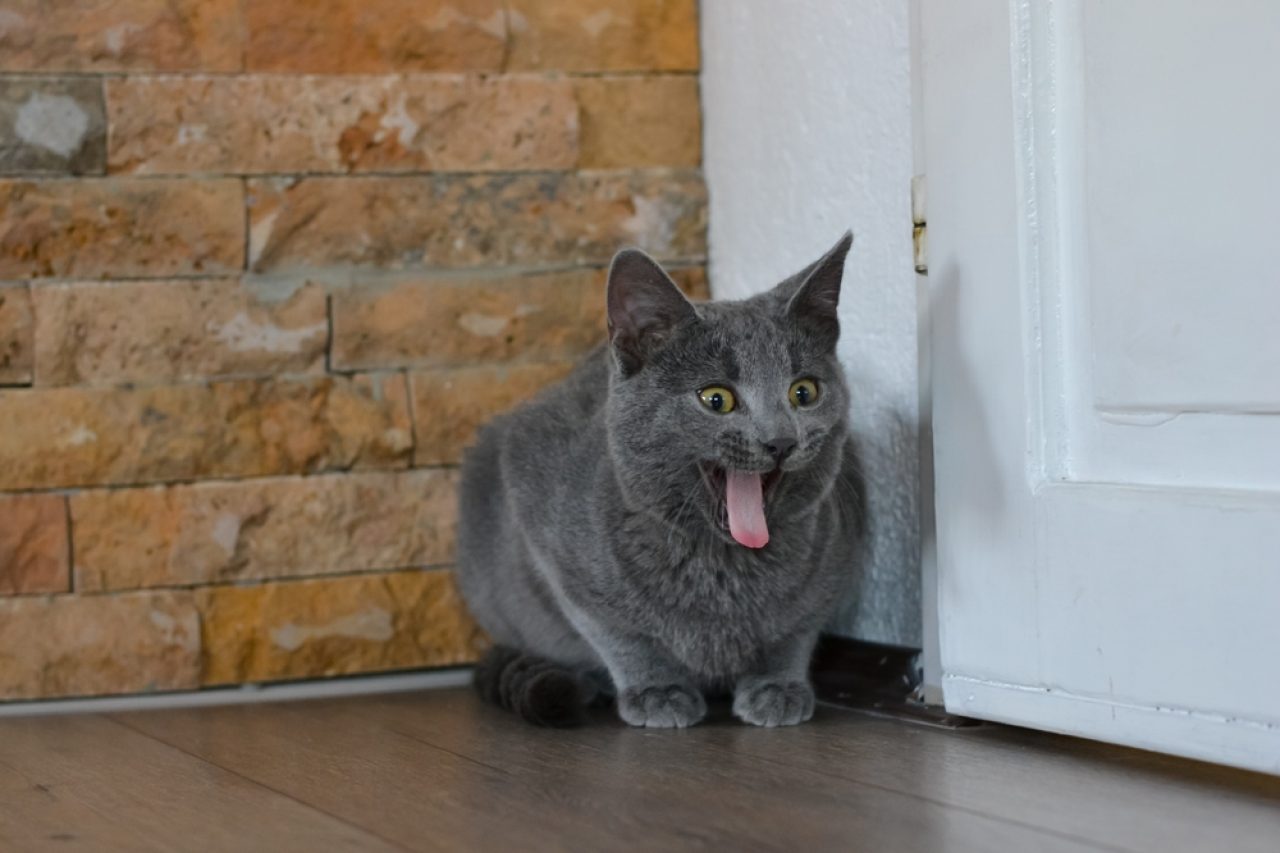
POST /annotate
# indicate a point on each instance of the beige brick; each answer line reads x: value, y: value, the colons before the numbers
x: 335, y: 626
x: 115, y: 332
x: 458, y: 321
x: 126, y: 228
x: 17, y: 326
x: 62, y: 437
x: 603, y: 35
x: 51, y: 125
x: 693, y: 281
x: 33, y: 544
x: 450, y: 405
x: 120, y: 35
x: 261, y: 529
x: 254, y: 124
x: 473, y: 220
x: 74, y: 646
x: 639, y: 121
x: 371, y: 36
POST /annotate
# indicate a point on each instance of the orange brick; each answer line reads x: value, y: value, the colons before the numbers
x: 260, y: 529
x: 693, y: 281
x: 86, y: 646
x: 461, y: 320
x: 450, y: 405
x: 474, y: 220
x: 33, y: 544
x: 63, y: 437
x: 639, y: 121
x: 604, y: 35
x: 16, y: 330
x: 115, y: 332
x: 335, y: 626
x: 120, y: 35
x: 123, y: 228
x: 372, y: 36
x: 279, y: 124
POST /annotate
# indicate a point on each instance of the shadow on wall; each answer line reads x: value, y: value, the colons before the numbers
x: 888, y: 443
x: 983, y: 505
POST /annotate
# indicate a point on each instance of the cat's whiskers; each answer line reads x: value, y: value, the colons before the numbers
x: 850, y: 500
x: 679, y: 513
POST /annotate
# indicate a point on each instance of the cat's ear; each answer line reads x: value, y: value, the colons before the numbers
x: 813, y: 307
x: 644, y: 305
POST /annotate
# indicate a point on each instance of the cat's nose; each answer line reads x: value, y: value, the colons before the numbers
x: 780, y: 448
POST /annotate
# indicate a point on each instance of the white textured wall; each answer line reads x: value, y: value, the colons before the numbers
x: 807, y: 111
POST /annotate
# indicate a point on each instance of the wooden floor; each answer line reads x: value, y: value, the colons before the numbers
x: 437, y: 771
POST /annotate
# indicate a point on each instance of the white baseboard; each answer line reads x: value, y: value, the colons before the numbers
x: 321, y: 689
x: 1248, y: 744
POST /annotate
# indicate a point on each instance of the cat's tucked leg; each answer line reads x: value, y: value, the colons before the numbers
x: 541, y: 691
x: 779, y: 693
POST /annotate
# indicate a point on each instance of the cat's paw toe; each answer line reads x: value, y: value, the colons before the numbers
x: 772, y: 703
x: 671, y: 706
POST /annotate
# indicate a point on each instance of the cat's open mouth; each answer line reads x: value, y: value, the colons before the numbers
x: 739, y: 500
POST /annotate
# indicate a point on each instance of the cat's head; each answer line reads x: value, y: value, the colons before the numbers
x: 726, y: 414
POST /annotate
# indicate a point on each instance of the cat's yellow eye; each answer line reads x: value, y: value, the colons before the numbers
x: 804, y: 392
x: 718, y: 399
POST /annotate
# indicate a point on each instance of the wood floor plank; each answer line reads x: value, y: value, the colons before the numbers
x: 421, y: 796
x: 88, y: 783
x: 1123, y: 798
x: 473, y: 778
x: 437, y: 770
x: 641, y: 784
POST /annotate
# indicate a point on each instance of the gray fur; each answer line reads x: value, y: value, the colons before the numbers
x: 589, y: 538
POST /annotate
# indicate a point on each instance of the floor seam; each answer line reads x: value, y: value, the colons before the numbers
x: 309, y: 806
x: 1066, y: 836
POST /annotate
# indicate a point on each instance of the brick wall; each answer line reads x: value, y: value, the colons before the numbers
x: 264, y: 265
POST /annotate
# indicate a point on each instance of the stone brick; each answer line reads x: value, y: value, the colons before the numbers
x: 474, y: 220
x: 64, y: 437
x: 52, y: 126
x: 260, y: 529
x: 603, y: 35
x: 125, y: 228
x: 120, y: 35
x: 372, y: 36
x: 693, y: 281
x: 33, y: 544
x: 335, y: 626
x: 87, y: 646
x: 450, y: 405
x: 458, y: 321
x: 336, y: 124
x: 115, y: 332
x: 639, y: 121
x: 16, y: 329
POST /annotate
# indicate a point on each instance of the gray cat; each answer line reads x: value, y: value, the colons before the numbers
x: 677, y: 518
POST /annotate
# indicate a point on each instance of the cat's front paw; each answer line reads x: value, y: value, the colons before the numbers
x: 670, y: 706
x: 773, y: 703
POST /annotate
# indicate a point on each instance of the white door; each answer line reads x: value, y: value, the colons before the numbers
x: 1103, y: 240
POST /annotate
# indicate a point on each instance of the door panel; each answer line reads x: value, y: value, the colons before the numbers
x: 1182, y: 181
x: 1106, y: 367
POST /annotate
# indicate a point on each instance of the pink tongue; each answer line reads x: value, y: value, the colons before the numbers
x: 744, y: 497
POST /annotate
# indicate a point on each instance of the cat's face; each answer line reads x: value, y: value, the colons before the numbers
x: 728, y: 415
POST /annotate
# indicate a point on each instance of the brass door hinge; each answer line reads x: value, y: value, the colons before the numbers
x: 919, y: 225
